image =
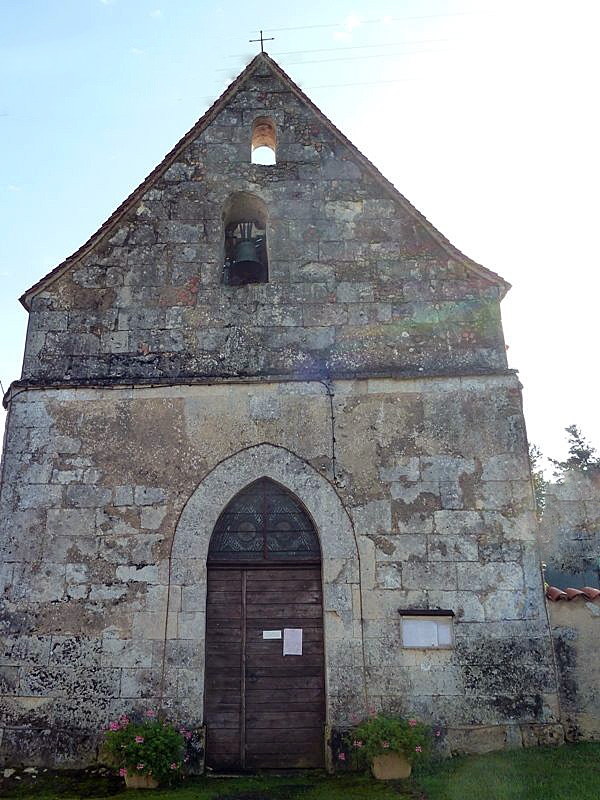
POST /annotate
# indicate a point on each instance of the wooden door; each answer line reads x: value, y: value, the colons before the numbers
x: 263, y: 709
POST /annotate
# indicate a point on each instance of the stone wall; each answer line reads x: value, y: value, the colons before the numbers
x: 570, y: 529
x: 358, y: 284
x: 570, y: 545
x: 107, y: 507
x: 576, y: 632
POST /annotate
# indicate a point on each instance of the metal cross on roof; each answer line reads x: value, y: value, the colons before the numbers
x: 262, y: 40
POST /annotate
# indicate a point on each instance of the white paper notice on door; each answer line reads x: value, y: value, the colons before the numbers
x: 271, y: 634
x: 292, y: 641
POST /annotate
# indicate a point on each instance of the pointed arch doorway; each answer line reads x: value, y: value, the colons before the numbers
x: 264, y: 709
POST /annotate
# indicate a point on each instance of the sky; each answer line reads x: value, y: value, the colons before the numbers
x: 483, y: 113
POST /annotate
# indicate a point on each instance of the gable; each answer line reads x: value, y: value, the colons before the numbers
x: 359, y: 282
x: 262, y: 66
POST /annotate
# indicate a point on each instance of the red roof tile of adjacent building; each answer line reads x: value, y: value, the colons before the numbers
x: 587, y: 593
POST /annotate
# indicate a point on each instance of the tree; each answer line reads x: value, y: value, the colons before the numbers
x: 581, y: 454
x: 539, y: 482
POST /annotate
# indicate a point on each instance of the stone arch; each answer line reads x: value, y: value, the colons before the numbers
x: 344, y: 661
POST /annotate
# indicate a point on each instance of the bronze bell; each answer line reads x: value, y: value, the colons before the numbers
x: 245, y: 255
x: 246, y: 266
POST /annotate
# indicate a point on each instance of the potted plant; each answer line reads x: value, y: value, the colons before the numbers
x: 390, y: 745
x: 146, y: 752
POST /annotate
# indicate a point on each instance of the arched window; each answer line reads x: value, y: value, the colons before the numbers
x: 264, y: 142
x: 264, y: 523
x: 245, y: 252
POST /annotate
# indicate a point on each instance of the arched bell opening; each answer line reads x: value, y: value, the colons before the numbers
x: 264, y: 703
x: 245, y: 252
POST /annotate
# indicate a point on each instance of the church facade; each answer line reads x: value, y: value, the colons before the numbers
x: 266, y: 467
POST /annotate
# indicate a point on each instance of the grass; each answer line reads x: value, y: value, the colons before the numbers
x: 306, y: 786
x: 537, y: 774
x: 545, y: 773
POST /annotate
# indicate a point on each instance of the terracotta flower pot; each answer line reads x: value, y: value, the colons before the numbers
x: 136, y: 781
x: 390, y: 767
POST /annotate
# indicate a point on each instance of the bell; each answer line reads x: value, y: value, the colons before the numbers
x: 246, y: 267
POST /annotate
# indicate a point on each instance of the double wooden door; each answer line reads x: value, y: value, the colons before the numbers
x: 264, y: 709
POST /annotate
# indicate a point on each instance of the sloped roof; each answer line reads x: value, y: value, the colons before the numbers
x: 203, y: 122
x: 586, y: 593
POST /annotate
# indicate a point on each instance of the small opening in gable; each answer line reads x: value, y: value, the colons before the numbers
x: 264, y: 142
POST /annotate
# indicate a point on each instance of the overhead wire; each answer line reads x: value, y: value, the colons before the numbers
x: 367, y: 21
x: 349, y: 47
x: 356, y: 58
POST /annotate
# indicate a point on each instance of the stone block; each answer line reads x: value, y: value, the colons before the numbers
x: 410, y: 493
x: 188, y: 572
x: 123, y: 496
x: 429, y: 576
x: 185, y: 654
x: 506, y: 467
x: 324, y: 314
x: 487, y: 577
x: 150, y: 625
x: 191, y: 625
x: 99, y: 592
x: 151, y: 517
x: 87, y: 496
x: 193, y: 598
x: 264, y: 407
x: 39, y: 496
x: 126, y: 653
x: 360, y: 292
x: 75, y: 651
x: 478, y: 739
x: 373, y: 518
x: 25, y: 651
x: 138, y: 574
x: 147, y: 496
x: 452, y: 548
x: 337, y: 597
x: 70, y: 522
x: 140, y: 682
x: 400, y: 547
x: 45, y: 584
x: 542, y: 735
x: 504, y: 605
x: 446, y: 469
x: 388, y: 576
x: 117, y: 521
x: 405, y: 469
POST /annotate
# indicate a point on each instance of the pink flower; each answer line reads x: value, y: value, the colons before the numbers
x: 357, y: 743
x: 150, y: 713
x: 412, y: 722
x: 354, y: 718
x: 122, y: 772
x: 139, y: 766
x: 372, y: 712
x: 418, y: 749
x: 385, y: 744
x: 342, y: 756
x: 139, y: 740
x: 114, y: 726
x: 173, y: 766
x: 185, y: 734
x: 124, y: 720
x: 438, y: 733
